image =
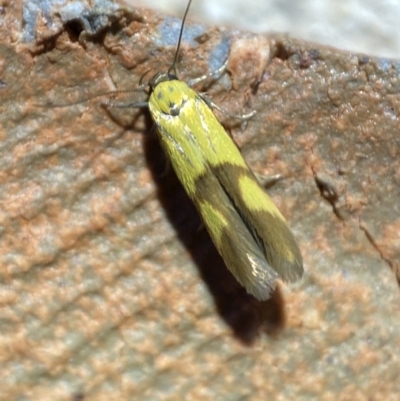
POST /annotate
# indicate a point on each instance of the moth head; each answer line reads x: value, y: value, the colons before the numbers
x: 161, y: 77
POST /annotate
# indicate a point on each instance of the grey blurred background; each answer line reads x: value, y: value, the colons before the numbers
x: 365, y: 26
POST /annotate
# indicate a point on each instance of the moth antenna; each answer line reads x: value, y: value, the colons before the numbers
x: 173, y: 70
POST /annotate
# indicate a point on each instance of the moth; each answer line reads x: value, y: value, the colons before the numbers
x: 245, y: 225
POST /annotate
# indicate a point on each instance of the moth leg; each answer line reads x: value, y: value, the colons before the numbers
x: 134, y: 105
x: 216, y: 74
x: 212, y: 105
x: 213, y: 74
x: 268, y: 181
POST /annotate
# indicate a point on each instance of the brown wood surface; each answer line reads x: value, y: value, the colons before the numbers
x: 109, y: 286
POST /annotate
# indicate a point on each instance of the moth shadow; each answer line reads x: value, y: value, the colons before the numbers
x: 246, y: 316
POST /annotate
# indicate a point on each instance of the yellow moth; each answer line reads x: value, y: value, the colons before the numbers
x: 246, y: 227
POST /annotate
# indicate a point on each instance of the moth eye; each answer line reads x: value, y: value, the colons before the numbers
x: 175, y: 109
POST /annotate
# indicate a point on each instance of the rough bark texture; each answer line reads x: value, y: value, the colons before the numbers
x: 109, y: 286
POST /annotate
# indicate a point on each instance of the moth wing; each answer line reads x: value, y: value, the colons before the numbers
x: 263, y: 219
x: 232, y: 238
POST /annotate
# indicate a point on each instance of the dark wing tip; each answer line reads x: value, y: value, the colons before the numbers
x: 263, y: 287
x: 290, y: 271
x: 261, y: 291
